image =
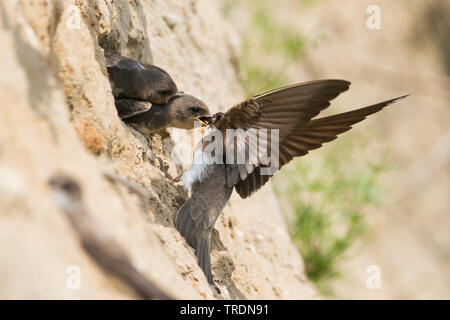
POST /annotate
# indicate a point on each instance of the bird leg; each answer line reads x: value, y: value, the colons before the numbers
x: 174, y: 180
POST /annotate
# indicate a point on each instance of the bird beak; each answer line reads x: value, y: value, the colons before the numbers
x: 204, y: 123
x: 204, y: 120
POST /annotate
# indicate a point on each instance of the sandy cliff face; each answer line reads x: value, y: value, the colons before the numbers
x: 58, y: 115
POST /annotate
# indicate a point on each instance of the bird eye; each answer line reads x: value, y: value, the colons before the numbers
x: 68, y: 186
x: 195, y: 109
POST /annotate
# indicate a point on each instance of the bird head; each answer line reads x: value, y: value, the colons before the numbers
x: 66, y: 193
x: 185, y: 110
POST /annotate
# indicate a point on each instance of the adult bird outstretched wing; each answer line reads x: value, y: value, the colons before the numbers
x: 299, y: 142
x: 289, y: 110
x: 286, y: 110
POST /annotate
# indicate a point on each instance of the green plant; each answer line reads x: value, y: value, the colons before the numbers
x: 327, y: 193
x: 270, y: 42
x: 274, y: 37
x: 255, y: 78
x: 329, y: 199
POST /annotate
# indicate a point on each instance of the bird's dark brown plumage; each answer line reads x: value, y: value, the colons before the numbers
x: 292, y: 111
x: 181, y: 111
x: 132, y: 79
x: 197, y: 216
x: 127, y: 108
x: 285, y: 109
x: 147, y: 97
x: 309, y: 137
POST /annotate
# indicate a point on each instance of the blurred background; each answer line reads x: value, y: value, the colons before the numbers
x: 378, y: 195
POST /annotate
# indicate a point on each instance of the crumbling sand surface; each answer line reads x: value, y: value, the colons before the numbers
x: 58, y: 115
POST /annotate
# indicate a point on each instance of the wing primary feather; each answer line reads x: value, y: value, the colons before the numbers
x: 309, y: 137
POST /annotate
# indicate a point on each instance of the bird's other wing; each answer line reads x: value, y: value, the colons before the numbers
x: 127, y: 108
x: 285, y: 109
x: 196, y: 217
x: 309, y: 137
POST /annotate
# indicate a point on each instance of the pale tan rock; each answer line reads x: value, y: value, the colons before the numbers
x: 58, y: 115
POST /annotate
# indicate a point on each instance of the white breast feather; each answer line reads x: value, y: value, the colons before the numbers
x: 197, y: 171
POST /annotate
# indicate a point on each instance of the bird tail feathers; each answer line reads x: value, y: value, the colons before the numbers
x: 197, y: 236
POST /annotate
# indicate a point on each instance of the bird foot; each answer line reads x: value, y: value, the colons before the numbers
x: 174, y: 180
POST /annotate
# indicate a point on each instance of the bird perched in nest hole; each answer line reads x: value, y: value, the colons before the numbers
x: 290, y: 112
x: 181, y: 111
x: 147, y: 98
x: 132, y: 79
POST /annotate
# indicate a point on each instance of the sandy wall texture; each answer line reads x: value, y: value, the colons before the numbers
x: 57, y: 115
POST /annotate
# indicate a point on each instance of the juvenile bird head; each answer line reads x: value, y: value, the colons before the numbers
x: 66, y: 193
x: 185, y: 110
